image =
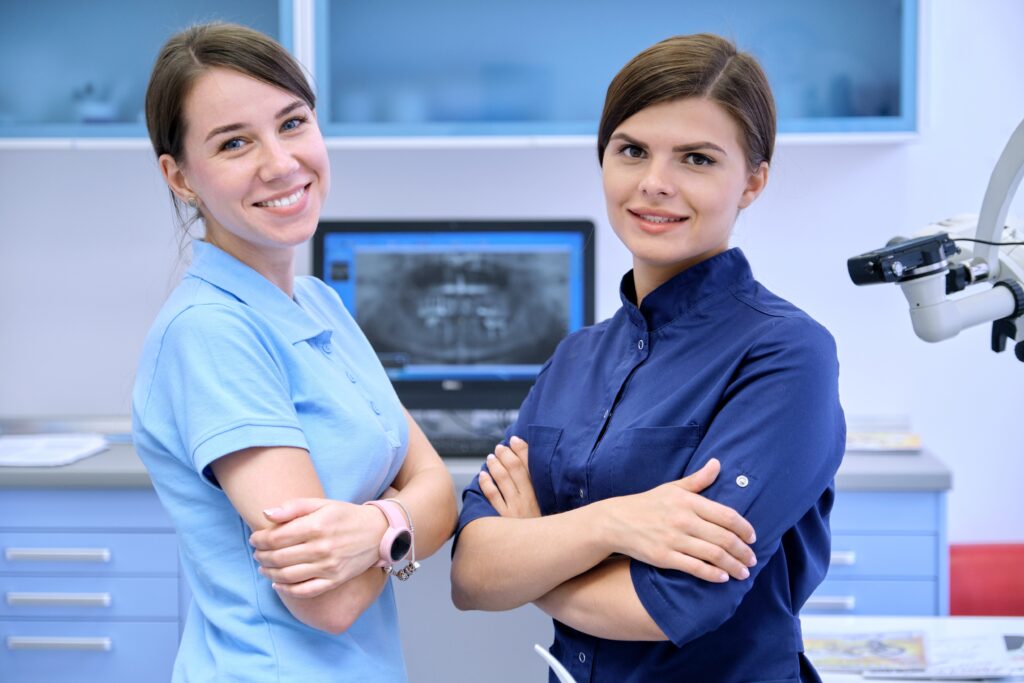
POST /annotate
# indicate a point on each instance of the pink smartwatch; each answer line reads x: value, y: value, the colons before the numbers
x: 397, y: 541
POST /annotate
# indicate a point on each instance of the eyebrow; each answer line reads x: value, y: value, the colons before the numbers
x: 691, y: 147
x: 231, y: 127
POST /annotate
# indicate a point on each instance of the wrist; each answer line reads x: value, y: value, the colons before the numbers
x: 597, y: 520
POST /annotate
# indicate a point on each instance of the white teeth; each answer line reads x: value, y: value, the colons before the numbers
x: 660, y: 219
x: 287, y: 201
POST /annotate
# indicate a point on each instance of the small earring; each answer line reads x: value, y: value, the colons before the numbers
x: 192, y: 202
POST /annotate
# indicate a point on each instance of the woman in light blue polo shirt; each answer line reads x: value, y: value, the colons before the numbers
x: 256, y: 387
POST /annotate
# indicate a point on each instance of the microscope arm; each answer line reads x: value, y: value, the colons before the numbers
x: 1002, y: 187
x: 936, y: 317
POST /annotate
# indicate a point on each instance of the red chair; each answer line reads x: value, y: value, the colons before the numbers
x: 986, y: 579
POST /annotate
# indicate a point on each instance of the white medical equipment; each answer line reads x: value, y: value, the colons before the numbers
x: 933, y: 269
x: 560, y: 671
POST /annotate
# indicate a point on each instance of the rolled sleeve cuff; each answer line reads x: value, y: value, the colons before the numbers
x: 474, y: 506
x: 679, y: 625
x: 241, y: 437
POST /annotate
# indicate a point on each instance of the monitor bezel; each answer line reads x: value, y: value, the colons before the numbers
x: 466, y: 394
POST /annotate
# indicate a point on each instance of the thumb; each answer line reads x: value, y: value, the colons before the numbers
x: 293, y: 509
x: 702, y: 478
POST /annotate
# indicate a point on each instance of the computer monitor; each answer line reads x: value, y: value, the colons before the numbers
x: 462, y: 314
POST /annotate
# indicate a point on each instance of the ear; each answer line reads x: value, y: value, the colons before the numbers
x: 174, y: 174
x: 755, y: 184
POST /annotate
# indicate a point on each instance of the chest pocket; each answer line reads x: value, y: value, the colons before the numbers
x: 645, y: 457
x: 543, y: 442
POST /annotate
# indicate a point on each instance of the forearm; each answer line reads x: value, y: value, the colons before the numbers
x: 602, y: 603
x: 337, y: 609
x: 430, y: 500
x: 502, y: 562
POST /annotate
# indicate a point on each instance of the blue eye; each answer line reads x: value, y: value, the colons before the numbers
x: 232, y: 144
x: 697, y: 159
x: 292, y: 124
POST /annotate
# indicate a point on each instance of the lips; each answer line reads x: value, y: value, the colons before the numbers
x: 657, y: 218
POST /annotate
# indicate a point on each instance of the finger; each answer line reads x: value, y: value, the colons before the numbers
x: 726, y: 518
x: 292, y: 574
x: 296, y: 532
x: 521, y: 449
x: 516, y: 468
x: 292, y: 555
x: 490, y: 490
x: 714, y: 556
x: 500, y: 475
x: 702, y: 478
x: 304, y: 590
x: 694, y: 567
x: 293, y: 509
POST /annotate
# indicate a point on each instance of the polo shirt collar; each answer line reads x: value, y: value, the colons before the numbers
x: 224, y: 271
x: 681, y: 294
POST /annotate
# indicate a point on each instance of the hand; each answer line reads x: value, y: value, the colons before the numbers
x: 506, y: 483
x: 317, y: 544
x: 673, y: 527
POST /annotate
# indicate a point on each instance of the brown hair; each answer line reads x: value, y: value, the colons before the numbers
x: 188, y: 55
x: 698, y: 65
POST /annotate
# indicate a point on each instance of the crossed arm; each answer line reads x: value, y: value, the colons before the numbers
x: 568, y: 564
x: 320, y: 553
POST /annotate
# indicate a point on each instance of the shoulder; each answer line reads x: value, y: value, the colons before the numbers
x: 781, y: 325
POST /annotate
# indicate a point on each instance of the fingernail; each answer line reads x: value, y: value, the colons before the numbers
x: 752, y: 562
x: 275, y: 586
x: 723, y: 577
x: 753, y: 538
x: 491, y: 456
x: 515, y: 439
x: 270, y: 512
x: 745, y: 573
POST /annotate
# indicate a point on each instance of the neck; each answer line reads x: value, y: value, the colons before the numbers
x: 276, y: 264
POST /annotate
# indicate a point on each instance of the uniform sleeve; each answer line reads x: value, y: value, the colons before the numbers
x: 223, y: 383
x: 780, y: 436
x: 474, y: 503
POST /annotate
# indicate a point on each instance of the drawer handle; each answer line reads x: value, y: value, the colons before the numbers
x: 57, y: 554
x: 843, y: 558
x: 832, y: 603
x: 58, y: 599
x: 39, y: 643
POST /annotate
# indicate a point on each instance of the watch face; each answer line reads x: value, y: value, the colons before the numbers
x: 400, y: 546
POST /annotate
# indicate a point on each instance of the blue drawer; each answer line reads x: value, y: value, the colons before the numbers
x: 88, y: 553
x: 883, y: 511
x: 88, y: 597
x: 880, y: 597
x: 42, y: 651
x: 863, y: 555
x: 99, y: 509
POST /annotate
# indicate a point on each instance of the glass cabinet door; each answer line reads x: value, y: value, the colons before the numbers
x: 408, y: 67
x: 70, y: 68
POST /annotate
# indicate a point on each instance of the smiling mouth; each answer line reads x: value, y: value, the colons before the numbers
x: 285, y: 201
x: 650, y: 218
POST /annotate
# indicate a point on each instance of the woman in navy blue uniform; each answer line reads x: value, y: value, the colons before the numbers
x: 665, y: 492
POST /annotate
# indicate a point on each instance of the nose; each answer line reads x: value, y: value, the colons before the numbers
x: 655, y: 182
x: 278, y: 161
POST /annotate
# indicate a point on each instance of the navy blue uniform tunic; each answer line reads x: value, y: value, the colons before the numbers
x: 710, y: 365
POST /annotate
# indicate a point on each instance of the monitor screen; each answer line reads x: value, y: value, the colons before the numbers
x: 461, y: 313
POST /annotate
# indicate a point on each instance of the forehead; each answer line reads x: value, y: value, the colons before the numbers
x: 690, y: 119
x: 224, y: 96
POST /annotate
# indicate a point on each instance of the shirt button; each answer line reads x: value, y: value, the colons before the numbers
x: 742, y: 481
x: 327, y: 348
x: 582, y: 494
x: 583, y: 658
x: 351, y: 377
x: 640, y: 345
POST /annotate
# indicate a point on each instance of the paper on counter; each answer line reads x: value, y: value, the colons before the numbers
x: 48, y: 450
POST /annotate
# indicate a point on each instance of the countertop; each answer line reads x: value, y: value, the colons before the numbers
x: 120, y: 467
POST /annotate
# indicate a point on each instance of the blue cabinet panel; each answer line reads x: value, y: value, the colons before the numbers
x: 86, y: 652
x: 875, y: 596
x: 82, y: 509
x: 856, y: 555
x: 91, y: 597
x: 887, y: 511
x: 43, y: 552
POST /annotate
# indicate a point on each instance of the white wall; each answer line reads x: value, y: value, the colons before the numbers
x: 88, y: 252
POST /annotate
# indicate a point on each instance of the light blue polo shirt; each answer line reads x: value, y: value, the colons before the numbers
x: 230, y: 363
